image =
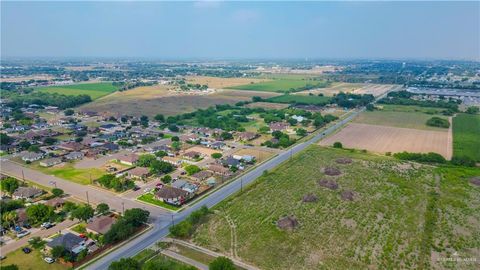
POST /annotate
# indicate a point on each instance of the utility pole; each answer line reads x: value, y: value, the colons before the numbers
x: 241, y: 184
x: 91, y: 179
x: 88, y: 201
x: 123, y: 208
x: 23, y: 177
x: 172, y: 220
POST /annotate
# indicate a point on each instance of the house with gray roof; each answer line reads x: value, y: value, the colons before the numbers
x: 27, y: 193
x: 71, y: 242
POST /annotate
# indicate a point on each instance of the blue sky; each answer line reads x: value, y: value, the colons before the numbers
x: 168, y: 30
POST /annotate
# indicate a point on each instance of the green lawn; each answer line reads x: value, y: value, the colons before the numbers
x: 414, y: 120
x: 31, y: 261
x: 382, y: 228
x: 94, y: 90
x: 411, y: 108
x: 69, y: 172
x: 303, y: 99
x: 150, y: 198
x: 280, y: 85
x: 466, y: 136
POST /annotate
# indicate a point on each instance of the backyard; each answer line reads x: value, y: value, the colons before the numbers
x: 31, y: 261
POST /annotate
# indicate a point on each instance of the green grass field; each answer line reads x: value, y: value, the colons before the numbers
x: 414, y: 120
x: 384, y: 227
x: 411, y: 108
x: 70, y: 173
x: 31, y: 261
x: 304, y: 99
x: 466, y: 136
x: 94, y: 90
x: 279, y: 85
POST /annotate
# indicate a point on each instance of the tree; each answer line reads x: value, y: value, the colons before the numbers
x: 472, y: 110
x: 216, y: 155
x: 173, y: 128
x: 38, y: 213
x: 49, y: 140
x: 37, y: 242
x: 192, y: 169
x: 5, y: 139
x: 58, y: 251
x: 136, y: 216
x: 337, y: 145
x: 102, y: 208
x: 84, y: 212
x: 160, y: 154
x: 24, y: 144
x: 146, y: 160
x: 57, y: 192
x: 9, y: 185
x: 226, y: 136
x: 34, y: 148
x: 176, y: 146
x: 256, y: 99
x: 9, y: 267
x: 68, y: 112
x: 9, y: 218
x: 167, y: 179
x: 159, y: 167
x: 264, y: 129
x: 221, y: 263
x: 125, y: 264
x: 159, y: 118
x: 301, y: 132
x: 175, y: 139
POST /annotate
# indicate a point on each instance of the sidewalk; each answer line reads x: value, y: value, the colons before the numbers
x: 41, y: 233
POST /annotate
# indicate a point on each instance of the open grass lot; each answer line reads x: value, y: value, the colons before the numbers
x: 384, y: 227
x: 259, y: 154
x: 466, y: 136
x: 410, y: 108
x: 68, y: 172
x: 218, y: 82
x: 158, y: 99
x: 31, y: 261
x: 94, y: 90
x: 267, y: 105
x: 414, y: 120
x: 279, y: 85
x: 304, y: 99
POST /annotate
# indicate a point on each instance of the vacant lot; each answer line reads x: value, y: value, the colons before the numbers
x: 382, y: 139
x: 416, y: 120
x: 68, y: 172
x: 267, y: 105
x: 218, y: 83
x: 280, y: 85
x: 158, y: 99
x: 300, y: 99
x: 466, y: 136
x: 204, y: 150
x: 387, y: 225
x: 259, y: 154
x: 94, y: 90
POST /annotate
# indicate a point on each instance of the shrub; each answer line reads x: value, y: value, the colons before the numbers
x: 186, y: 228
x: 221, y: 263
x: 438, y: 122
x: 463, y: 161
x: 216, y: 155
x: 337, y: 145
x: 57, y: 192
x: 420, y: 157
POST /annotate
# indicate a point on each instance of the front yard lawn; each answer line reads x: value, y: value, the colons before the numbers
x: 150, y: 198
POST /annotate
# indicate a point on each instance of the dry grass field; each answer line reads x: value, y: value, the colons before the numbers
x: 219, y: 83
x: 267, y: 105
x: 415, y: 120
x: 354, y: 88
x: 152, y: 100
x: 259, y: 154
x: 206, y: 151
x: 382, y: 139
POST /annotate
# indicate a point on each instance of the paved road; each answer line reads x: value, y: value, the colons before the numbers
x: 162, y: 224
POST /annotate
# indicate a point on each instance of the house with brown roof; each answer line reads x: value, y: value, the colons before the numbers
x: 71, y: 146
x: 246, y: 136
x: 278, y: 126
x: 55, y: 202
x: 129, y: 159
x: 172, y: 195
x: 173, y: 160
x: 138, y: 173
x: 219, y: 169
x: 201, y: 175
x: 193, y: 155
x: 101, y: 224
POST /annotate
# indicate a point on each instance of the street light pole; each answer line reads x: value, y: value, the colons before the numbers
x: 23, y: 177
x: 123, y: 208
x: 88, y: 201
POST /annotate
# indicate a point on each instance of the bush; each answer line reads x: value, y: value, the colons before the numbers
x: 463, y: 161
x: 221, y: 263
x: 186, y: 228
x: 216, y: 155
x: 57, y: 192
x: 125, y: 264
x: 420, y: 157
x: 192, y: 169
x: 167, y: 179
x: 337, y: 145
x: 438, y: 122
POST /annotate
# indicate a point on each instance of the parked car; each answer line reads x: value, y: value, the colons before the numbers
x: 22, y: 234
x: 49, y: 260
x: 82, y: 236
x: 47, y: 225
x: 26, y: 250
x: 27, y: 226
x: 147, y: 190
x: 135, y: 188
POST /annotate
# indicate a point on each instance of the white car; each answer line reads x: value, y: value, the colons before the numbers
x: 22, y: 234
x: 49, y: 260
x: 147, y: 190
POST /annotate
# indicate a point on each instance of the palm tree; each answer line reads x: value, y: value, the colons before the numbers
x: 10, y: 217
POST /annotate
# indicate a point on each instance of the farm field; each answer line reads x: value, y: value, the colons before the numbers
x: 158, y: 99
x: 354, y: 88
x: 303, y: 99
x: 267, y: 105
x: 94, y: 90
x: 382, y: 139
x: 388, y: 223
x: 219, y: 83
x: 414, y: 120
x: 466, y: 136
x: 279, y: 85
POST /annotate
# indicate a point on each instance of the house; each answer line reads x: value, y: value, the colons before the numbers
x: 110, y: 147
x: 299, y: 118
x: 72, y: 243
x: 101, y: 224
x: 31, y: 156
x: 55, y: 202
x: 107, y: 127
x: 278, y: 126
x: 22, y: 218
x: 218, y: 169
x: 231, y: 162
x: 202, y: 175
x: 185, y: 185
x: 173, y: 160
x: 50, y: 162
x: 189, y: 138
x: 192, y: 155
x: 71, y: 146
x: 172, y: 195
x: 129, y: 159
x: 138, y: 173
x: 246, y: 136
x: 74, y: 155
x: 27, y: 193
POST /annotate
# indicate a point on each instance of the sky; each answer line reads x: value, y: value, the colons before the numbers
x: 242, y: 30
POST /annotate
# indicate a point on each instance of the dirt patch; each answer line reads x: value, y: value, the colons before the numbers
x: 343, y: 160
x: 331, y: 171
x: 330, y: 184
x: 475, y: 181
x: 267, y: 105
x: 310, y: 198
x: 382, y: 139
x: 348, y: 195
x: 288, y: 223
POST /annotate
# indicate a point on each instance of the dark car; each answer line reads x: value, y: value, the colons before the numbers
x: 27, y: 226
x: 26, y: 250
x: 135, y: 188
